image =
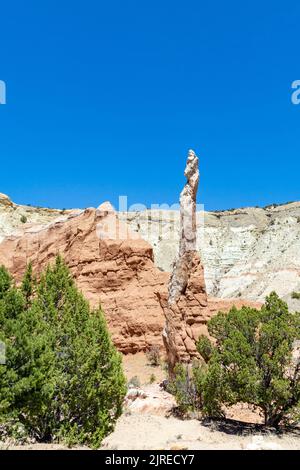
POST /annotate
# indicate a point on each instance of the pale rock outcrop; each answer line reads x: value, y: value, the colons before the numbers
x: 152, y: 400
x: 5, y: 200
x: 246, y: 253
x: 16, y: 219
x: 186, y: 305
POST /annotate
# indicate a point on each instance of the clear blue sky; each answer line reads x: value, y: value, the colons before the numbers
x: 104, y: 98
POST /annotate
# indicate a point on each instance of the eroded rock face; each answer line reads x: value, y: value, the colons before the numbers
x: 113, y: 266
x: 186, y: 305
x: 118, y: 273
x: 246, y: 253
x: 16, y: 219
x: 186, y: 318
x: 224, y: 305
x: 188, y: 234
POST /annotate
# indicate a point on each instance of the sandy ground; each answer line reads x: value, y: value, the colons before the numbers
x: 147, y: 423
x: 135, y: 431
x: 9, y: 446
x: 138, y: 431
x: 137, y: 365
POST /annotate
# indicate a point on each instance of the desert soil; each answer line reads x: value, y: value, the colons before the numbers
x: 140, y: 431
x: 137, y: 365
x: 147, y: 423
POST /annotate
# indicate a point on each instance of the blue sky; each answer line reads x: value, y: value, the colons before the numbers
x: 104, y: 98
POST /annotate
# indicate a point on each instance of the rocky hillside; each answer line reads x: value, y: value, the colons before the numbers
x: 246, y: 252
x: 15, y: 219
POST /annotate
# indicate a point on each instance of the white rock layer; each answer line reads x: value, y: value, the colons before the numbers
x: 245, y: 252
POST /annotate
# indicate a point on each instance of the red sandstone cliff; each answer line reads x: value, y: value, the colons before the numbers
x: 119, y: 274
x: 114, y: 267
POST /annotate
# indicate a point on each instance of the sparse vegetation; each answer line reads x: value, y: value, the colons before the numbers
x: 250, y: 360
x: 23, y: 219
x: 296, y: 295
x: 152, y: 379
x: 153, y: 356
x: 63, y: 378
x: 184, y: 386
x: 274, y: 205
x: 134, y: 382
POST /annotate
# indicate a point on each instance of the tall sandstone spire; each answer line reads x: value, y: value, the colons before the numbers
x: 185, y: 306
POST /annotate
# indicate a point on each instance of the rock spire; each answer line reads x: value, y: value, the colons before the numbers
x: 186, y: 307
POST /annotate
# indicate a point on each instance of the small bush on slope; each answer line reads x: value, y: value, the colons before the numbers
x: 153, y: 356
x: 252, y: 361
x: 63, y: 377
x: 184, y: 385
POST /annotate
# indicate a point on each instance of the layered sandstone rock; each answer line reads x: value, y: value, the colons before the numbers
x: 224, y: 305
x: 111, y: 266
x: 245, y: 252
